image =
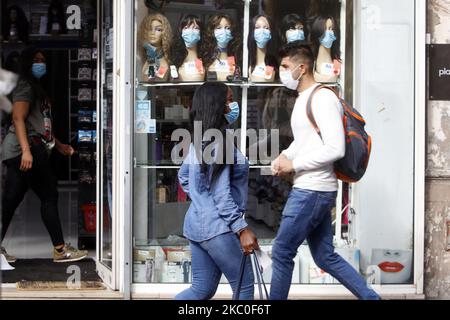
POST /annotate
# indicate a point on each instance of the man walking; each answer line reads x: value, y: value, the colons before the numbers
x: 307, y: 214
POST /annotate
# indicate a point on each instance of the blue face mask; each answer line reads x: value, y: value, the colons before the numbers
x: 191, y: 37
x: 295, y: 35
x: 39, y: 70
x: 233, y: 115
x: 262, y: 36
x: 223, y: 37
x: 328, y: 39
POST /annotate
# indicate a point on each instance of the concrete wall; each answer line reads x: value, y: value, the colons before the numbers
x: 437, y: 259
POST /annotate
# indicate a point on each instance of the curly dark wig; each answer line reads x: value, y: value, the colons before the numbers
x: 210, y: 51
x: 179, y: 52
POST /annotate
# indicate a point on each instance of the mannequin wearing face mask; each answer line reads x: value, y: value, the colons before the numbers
x: 326, y: 47
x: 154, y: 42
x: 293, y: 28
x: 262, y: 64
x: 220, y: 46
x: 185, y: 50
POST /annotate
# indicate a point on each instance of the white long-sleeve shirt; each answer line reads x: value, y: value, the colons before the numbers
x: 313, y: 158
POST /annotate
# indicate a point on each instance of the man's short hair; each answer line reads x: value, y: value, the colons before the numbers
x: 299, y: 52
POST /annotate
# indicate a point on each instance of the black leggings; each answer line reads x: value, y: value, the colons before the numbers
x: 43, y: 182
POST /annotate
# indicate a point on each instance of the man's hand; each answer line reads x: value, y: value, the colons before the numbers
x: 65, y: 149
x: 249, y: 243
x: 282, y: 166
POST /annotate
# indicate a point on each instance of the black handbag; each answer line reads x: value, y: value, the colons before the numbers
x: 259, y: 278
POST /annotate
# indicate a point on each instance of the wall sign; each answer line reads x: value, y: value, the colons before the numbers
x: 440, y: 72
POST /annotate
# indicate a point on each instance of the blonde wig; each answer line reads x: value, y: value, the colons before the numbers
x: 143, y: 34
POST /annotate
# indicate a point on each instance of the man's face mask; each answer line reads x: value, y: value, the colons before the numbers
x: 288, y: 80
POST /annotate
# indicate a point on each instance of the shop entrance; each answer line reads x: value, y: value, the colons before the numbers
x: 75, y: 38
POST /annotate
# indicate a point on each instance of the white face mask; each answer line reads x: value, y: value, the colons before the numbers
x: 288, y: 80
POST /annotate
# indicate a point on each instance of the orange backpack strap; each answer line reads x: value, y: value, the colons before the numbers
x: 309, y: 107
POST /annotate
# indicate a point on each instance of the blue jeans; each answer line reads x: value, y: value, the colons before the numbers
x: 222, y: 254
x: 307, y: 215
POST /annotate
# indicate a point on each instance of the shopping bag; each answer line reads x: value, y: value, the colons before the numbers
x: 259, y: 278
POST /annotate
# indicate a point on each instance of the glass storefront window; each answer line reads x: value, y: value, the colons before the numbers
x: 171, y: 62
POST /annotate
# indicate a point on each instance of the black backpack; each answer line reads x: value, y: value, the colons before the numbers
x: 358, y: 144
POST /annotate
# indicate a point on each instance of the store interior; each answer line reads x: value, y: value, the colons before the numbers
x: 71, y: 83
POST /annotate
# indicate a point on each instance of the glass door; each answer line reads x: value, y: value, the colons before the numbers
x: 105, y: 252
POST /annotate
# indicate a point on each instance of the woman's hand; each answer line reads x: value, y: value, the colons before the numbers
x: 249, y: 242
x: 27, y: 161
x: 65, y: 149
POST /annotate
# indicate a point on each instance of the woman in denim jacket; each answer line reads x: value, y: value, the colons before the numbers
x: 215, y: 223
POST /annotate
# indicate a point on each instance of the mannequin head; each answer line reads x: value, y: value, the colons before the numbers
x: 188, y: 27
x: 293, y: 28
x: 259, y: 25
x: 155, y: 30
x: 325, y: 27
x: 15, y: 15
x: 220, y: 27
x: 56, y: 15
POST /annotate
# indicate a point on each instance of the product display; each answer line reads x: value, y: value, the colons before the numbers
x: 148, y: 265
x: 207, y: 46
x: 324, y: 37
x: 177, y: 267
x: 85, y: 116
x: 263, y: 64
x: 15, y: 25
x: 220, y: 47
x: 293, y: 28
x: 109, y: 81
x: 56, y: 22
x: 185, y: 49
x: 154, y: 43
x: 84, y: 74
x: 84, y: 94
x: 162, y: 190
x: 85, y: 136
x: 84, y: 54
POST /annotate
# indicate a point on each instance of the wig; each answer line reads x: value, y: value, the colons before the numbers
x: 143, y: 35
x: 178, y: 49
x: 289, y: 22
x: 318, y: 30
x: 270, y: 58
x: 21, y: 23
x: 56, y: 15
x: 210, y: 51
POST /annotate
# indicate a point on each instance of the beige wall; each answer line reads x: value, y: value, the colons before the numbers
x: 437, y: 259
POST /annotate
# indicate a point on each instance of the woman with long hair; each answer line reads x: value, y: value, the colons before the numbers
x: 218, y: 187
x: 26, y: 151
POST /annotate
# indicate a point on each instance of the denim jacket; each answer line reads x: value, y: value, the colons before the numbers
x: 220, y: 208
